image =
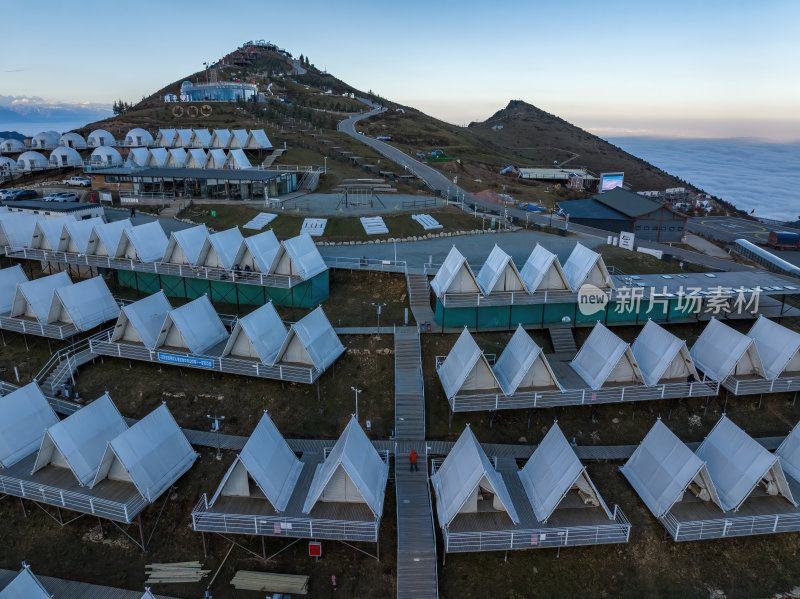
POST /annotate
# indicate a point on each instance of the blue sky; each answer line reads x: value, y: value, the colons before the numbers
x: 704, y: 68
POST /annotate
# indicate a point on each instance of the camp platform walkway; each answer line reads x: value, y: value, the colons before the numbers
x: 29, y: 326
x: 72, y: 589
x: 419, y: 298
x: 409, y: 391
x: 755, y: 385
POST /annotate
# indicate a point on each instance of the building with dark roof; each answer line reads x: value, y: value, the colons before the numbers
x: 621, y: 210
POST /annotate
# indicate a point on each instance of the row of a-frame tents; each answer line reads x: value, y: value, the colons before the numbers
x: 224, y: 139
x: 91, y: 462
x: 53, y: 306
x: 606, y: 369
x: 193, y: 335
x: 326, y: 493
x: 26, y: 585
x: 488, y: 504
x: 142, y: 158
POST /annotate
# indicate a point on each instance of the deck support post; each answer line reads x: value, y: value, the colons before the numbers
x: 794, y: 399
x: 205, y: 549
x: 24, y: 511
x: 708, y: 401
x: 760, y: 397
x: 725, y: 406
x: 141, y: 532
x: 505, y: 557
x: 316, y: 384
x: 671, y: 407
x: 594, y: 412
x: 102, y: 532
x: 633, y: 411
x: 25, y: 338
x: 492, y: 414
x: 530, y: 415
x: 263, y: 547
x: 60, y: 519
x: 450, y: 419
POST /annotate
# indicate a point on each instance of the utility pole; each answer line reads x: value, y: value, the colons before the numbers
x: 357, y: 392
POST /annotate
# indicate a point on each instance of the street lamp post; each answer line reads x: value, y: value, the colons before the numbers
x: 216, y: 423
x: 379, y: 306
x: 357, y: 391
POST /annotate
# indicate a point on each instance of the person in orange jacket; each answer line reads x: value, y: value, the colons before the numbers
x: 412, y: 458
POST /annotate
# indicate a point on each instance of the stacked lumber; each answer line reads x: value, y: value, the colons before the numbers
x: 175, y: 572
x: 293, y: 584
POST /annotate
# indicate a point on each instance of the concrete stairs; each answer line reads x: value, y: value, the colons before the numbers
x: 563, y: 341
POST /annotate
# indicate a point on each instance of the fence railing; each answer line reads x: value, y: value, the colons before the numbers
x: 31, y: 327
x: 757, y: 386
x: 733, y: 525
x: 372, y: 264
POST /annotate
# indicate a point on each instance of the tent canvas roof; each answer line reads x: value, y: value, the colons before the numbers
x: 81, y: 438
x: 721, y: 351
x: 88, y: 304
x: 737, y: 463
x: 215, y: 158
x: 195, y: 158
x: 225, y: 245
x: 499, y: 273
x: 259, y: 251
x: 75, y: 237
x: 176, y: 158
x: 460, y: 474
x: 24, y: 416
x: 777, y: 346
x: 154, y: 453
x: 542, y: 270
x: 523, y: 363
x: 49, y: 231
x: 454, y: 276
x: 586, y: 266
x: 189, y: 241
x: 354, y: 453
x: 148, y: 240
x: 258, y: 140
x: 316, y: 335
x: 145, y: 316
x: 104, y: 239
x: 789, y: 453
x: 16, y: 229
x: 237, y: 159
x: 9, y: 279
x: 165, y: 137
x: 183, y: 137
x: 270, y: 462
x: 662, y: 355
x: 137, y: 157
x: 25, y: 586
x: 304, y: 255
x: 467, y: 368
x: 38, y: 294
x: 604, y: 357
x: 201, y: 138
x: 551, y: 472
x: 220, y: 138
x: 197, y: 324
x: 264, y: 331
x: 661, y: 469
x: 238, y: 138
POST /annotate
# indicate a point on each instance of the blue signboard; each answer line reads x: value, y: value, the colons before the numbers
x: 186, y: 361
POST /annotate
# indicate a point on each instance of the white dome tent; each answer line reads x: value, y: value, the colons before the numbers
x: 100, y: 137
x: 7, y: 164
x: 12, y: 146
x: 138, y: 138
x: 105, y: 156
x: 65, y: 156
x: 29, y: 161
x: 72, y: 140
x: 45, y: 140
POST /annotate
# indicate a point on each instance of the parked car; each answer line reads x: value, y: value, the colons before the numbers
x: 77, y: 182
x: 21, y: 194
x: 61, y: 196
x: 4, y: 193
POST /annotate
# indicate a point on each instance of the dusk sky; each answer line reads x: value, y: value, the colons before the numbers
x: 687, y: 69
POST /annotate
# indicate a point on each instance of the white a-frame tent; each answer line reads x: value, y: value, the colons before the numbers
x: 552, y: 472
x: 257, y: 336
x: 146, y: 243
x: 220, y: 138
x: 499, y: 273
x: 195, y: 158
x: 738, y: 463
x: 220, y: 249
x: 298, y: 257
x: 25, y: 585
x: 152, y: 454
x: 215, y: 158
x: 183, y: 137
x: 778, y: 348
x: 721, y: 351
x: 237, y: 159
x: 353, y: 472
x: 542, y: 271
x: 464, y: 477
x: 523, y: 366
x: 194, y: 327
x: 258, y: 252
x: 257, y: 140
x: 75, y: 236
x: 238, y: 139
x: 79, y: 441
x: 33, y: 298
x: 662, y: 469
x: 16, y: 229
x: 48, y: 231
x: 605, y: 359
x: 466, y: 369
x: 176, y: 158
x: 24, y: 415
x: 454, y: 276
x: 585, y: 266
x: 141, y: 321
x: 266, y: 460
x: 184, y: 246
x: 661, y: 356
x: 201, y: 138
x: 156, y: 158
x: 789, y: 453
x: 104, y: 239
x: 86, y: 304
x: 311, y: 342
x: 9, y: 279
x: 165, y: 138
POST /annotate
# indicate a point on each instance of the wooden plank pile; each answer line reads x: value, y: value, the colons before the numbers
x: 175, y: 572
x: 292, y: 584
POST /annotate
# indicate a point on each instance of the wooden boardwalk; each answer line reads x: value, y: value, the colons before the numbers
x: 419, y: 297
x: 409, y: 393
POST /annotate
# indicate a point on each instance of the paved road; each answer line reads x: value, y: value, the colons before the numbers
x: 728, y: 229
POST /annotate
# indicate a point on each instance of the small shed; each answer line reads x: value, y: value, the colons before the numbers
x: 662, y: 357
x: 25, y: 413
x: 73, y: 140
x: 33, y: 299
x: 86, y: 304
x: 298, y: 257
x: 466, y: 369
x: 9, y: 279
x: 105, y: 156
x: 542, y: 271
x: 193, y: 328
x: 215, y: 159
x: 105, y: 237
x: 605, y: 360
x: 455, y: 276
x: 65, y: 156
x: 140, y: 322
x: 100, y: 137
x: 721, y: 351
x: 585, y: 266
x: 201, y: 138
x: 138, y: 138
x: 258, y: 252
x: 146, y: 243
x: 523, y: 366
x: 31, y: 161
x: 778, y: 347
x: 257, y: 336
x: 499, y: 273
x: 237, y: 160
x: 257, y: 140
x: 195, y: 158
x: 184, y: 246
x: 311, y: 342
x: 220, y: 249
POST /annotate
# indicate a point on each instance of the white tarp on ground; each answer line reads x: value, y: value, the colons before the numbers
x: 24, y: 416
x: 312, y: 342
x: 195, y: 158
x: 9, y: 279
x: 194, y: 327
x: 237, y: 159
x: 238, y: 138
x: 427, y: 221
x: 353, y: 472
x: 141, y: 321
x: 257, y: 140
x: 552, y: 471
x: 215, y: 158
x: 789, y: 453
x: 605, y: 359
x: 586, y: 266
x: 86, y: 304
x: 374, y: 225
x: 146, y: 243
x: 499, y: 273
x: 220, y: 249
x: 79, y: 441
x: 16, y: 229
x: 721, y: 351
x: 33, y: 298
x: 47, y: 232
x: 258, y: 252
x: 466, y: 369
x: 778, y: 347
x: 220, y: 138
x: 152, y: 454
x: 75, y: 238
x: 662, y: 468
x: 184, y: 246
x: 661, y: 356
x: 261, y: 220
x: 542, y: 270
x: 104, y: 239
x: 314, y: 226
x: 269, y: 461
x: 176, y: 158
x: 737, y: 463
x: 25, y: 586
x: 464, y: 473
x: 201, y: 138
x: 298, y: 256
x: 454, y: 276
x: 522, y: 365
x: 257, y: 336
